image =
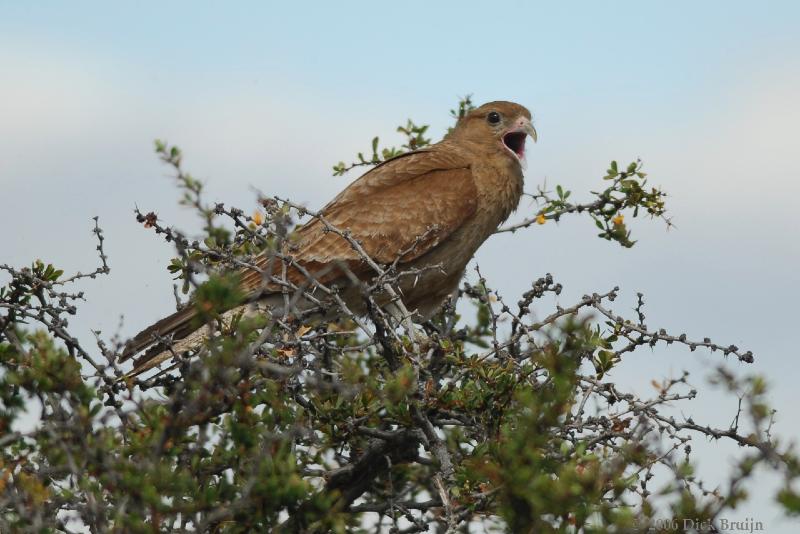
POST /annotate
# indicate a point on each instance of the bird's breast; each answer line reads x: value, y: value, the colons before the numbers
x: 499, y: 185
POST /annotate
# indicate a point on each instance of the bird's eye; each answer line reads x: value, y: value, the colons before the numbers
x: 493, y: 117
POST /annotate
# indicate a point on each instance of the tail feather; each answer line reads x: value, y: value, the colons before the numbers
x: 175, y: 326
x: 180, y: 333
x: 185, y: 336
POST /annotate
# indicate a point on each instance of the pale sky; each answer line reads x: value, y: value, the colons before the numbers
x: 271, y: 95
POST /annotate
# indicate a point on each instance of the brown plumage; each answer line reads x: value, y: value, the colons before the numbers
x: 434, y: 206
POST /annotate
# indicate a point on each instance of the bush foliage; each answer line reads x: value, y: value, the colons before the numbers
x: 495, y: 415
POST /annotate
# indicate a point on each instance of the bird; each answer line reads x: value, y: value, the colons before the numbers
x: 426, y: 212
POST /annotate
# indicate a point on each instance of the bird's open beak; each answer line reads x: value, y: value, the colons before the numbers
x: 530, y: 130
x: 514, y: 138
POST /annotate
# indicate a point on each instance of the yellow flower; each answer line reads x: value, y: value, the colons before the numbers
x: 258, y: 218
x: 540, y: 219
x: 618, y: 219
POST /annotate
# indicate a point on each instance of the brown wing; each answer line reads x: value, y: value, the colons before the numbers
x: 401, y: 209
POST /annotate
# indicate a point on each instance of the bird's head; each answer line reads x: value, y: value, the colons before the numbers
x: 504, y: 125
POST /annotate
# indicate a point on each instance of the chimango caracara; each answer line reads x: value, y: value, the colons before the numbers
x: 431, y: 207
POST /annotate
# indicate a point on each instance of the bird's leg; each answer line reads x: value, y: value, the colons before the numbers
x: 398, y: 310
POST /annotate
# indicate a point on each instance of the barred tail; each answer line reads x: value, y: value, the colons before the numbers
x: 175, y: 326
x: 180, y: 332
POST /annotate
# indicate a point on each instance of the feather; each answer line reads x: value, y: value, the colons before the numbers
x: 429, y: 208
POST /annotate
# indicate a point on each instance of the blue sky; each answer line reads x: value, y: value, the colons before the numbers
x: 270, y: 95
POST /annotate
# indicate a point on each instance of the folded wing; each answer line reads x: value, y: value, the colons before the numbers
x: 398, y: 211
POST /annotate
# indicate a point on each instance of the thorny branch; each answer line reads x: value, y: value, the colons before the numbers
x: 302, y: 424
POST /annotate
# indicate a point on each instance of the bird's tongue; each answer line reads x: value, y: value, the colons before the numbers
x: 515, y: 141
